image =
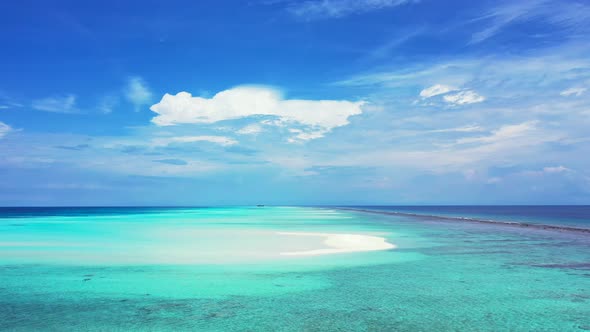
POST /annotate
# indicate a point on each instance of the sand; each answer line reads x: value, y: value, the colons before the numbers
x: 341, y: 243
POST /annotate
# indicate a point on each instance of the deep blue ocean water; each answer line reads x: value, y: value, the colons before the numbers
x: 558, y: 215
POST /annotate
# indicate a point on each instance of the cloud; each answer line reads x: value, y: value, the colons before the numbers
x: 252, y: 129
x: 4, y: 129
x: 547, y: 170
x: 324, y: 9
x: 221, y: 140
x: 66, y: 104
x: 107, y: 104
x: 494, y: 180
x: 10, y: 105
x: 573, y: 92
x: 463, y: 129
x: 435, y: 90
x: 72, y: 186
x: 178, y: 162
x: 506, y: 132
x: 78, y: 147
x: 501, y: 77
x: 137, y: 92
x: 317, y: 116
x: 464, y: 97
x: 241, y: 150
x: 384, y: 51
x: 556, y: 169
x: 301, y: 135
x: 570, y: 16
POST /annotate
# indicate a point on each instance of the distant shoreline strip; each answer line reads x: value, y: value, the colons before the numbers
x: 474, y: 220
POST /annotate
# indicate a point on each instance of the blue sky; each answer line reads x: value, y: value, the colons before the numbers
x: 294, y: 102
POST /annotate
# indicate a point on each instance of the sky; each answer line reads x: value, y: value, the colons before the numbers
x: 317, y: 102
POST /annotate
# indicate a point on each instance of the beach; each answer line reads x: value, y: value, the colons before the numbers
x: 341, y: 243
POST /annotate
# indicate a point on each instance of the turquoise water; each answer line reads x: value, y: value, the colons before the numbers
x: 220, y: 269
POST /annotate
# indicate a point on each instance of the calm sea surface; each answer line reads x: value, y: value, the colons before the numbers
x: 222, y: 269
x: 559, y: 215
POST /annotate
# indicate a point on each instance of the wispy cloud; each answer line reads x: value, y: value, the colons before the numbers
x: 435, y: 90
x: 506, y: 132
x: 251, y: 129
x: 66, y: 104
x: 221, y: 140
x: 515, y: 78
x: 569, y: 15
x: 7, y: 105
x: 463, y: 98
x: 385, y: 50
x: 77, y: 147
x: 549, y: 170
x: 178, y: 162
x: 556, y: 169
x: 4, y: 129
x: 107, y: 104
x: 324, y: 9
x: 137, y: 92
x: 463, y: 129
x: 578, y: 91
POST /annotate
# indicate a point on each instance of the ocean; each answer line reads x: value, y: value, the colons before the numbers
x: 577, y: 216
x: 294, y: 269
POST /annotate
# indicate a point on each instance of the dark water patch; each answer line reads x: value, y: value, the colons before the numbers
x: 585, y: 231
x: 569, y: 215
x: 463, y: 251
x: 28, y: 212
x: 575, y: 266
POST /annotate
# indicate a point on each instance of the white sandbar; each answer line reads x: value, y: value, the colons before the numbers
x: 341, y: 243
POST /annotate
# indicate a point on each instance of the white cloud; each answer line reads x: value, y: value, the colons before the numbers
x: 567, y: 15
x: 221, y: 140
x: 302, y: 136
x: 65, y: 104
x: 517, y: 79
x: 506, y: 132
x: 7, y: 103
x: 4, y: 129
x: 464, y: 129
x: 509, y: 145
x: 435, y: 90
x: 494, y: 180
x: 320, y: 116
x: 137, y: 92
x: 252, y: 129
x: 464, y: 97
x: 556, y: 169
x: 573, y: 91
x: 321, y: 9
x: 107, y: 104
x: 547, y: 170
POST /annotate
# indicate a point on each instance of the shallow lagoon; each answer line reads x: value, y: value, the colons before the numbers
x: 162, y: 269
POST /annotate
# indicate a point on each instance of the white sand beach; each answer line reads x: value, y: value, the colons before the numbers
x: 341, y: 243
